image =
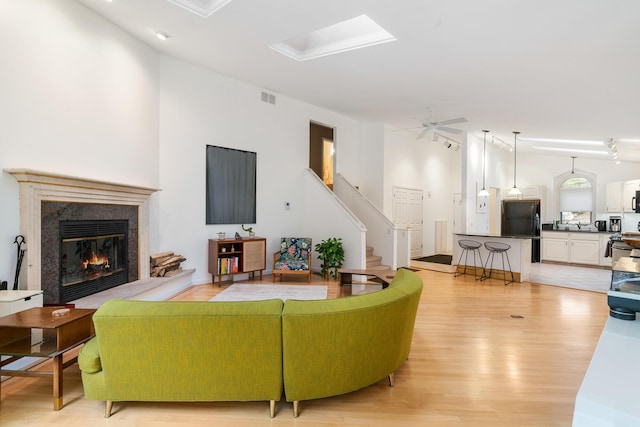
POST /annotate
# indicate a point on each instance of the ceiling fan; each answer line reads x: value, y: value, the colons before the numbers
x: 430, y: 124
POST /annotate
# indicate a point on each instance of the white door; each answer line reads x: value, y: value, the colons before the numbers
x: 407, y: 212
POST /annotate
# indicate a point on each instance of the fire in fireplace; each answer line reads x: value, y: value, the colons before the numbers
x: 93, y: 256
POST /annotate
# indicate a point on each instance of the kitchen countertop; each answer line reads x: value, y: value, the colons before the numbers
x: 523, y: 237
x: 573, y: 230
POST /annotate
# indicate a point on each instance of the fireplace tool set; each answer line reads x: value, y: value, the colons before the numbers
x: 20, y: 242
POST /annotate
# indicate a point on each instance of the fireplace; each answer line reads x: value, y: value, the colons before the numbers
x: 48, y: 198
x: 87, y: 248
x: 93, y: 257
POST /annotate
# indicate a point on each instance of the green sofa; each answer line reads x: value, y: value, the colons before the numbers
x: 184, y: 351
x: 249, y: 351
x: 336, y: 346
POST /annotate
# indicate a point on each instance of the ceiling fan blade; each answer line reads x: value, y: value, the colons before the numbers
x: 453, y: 121
x: 423, y: 133
x: 450, y: 130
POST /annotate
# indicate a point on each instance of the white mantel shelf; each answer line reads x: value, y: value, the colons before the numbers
x: 49, y: 178
x: 38, y: 186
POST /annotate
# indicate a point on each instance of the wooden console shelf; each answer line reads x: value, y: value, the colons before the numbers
x: 236, y: 256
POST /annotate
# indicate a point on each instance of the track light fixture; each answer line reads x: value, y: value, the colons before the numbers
x: 447, y: 142
x: 484, y: 192
x: 515, y: 191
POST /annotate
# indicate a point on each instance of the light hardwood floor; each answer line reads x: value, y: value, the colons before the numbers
x: 483, y: 354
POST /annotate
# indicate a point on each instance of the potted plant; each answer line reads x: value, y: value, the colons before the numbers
x: 249, y: 230
x: 331, y: 255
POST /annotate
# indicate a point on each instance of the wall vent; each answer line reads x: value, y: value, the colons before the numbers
x: 269, y: 98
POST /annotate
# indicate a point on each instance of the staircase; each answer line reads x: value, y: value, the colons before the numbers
x: 373, y: 261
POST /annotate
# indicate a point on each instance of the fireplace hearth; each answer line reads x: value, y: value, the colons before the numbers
x: 93, y: 257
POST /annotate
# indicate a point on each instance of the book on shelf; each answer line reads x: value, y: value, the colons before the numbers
x: 228, y: 265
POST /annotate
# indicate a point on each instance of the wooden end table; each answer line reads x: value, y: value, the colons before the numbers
x: 36, y: 333
x: 385, y: 276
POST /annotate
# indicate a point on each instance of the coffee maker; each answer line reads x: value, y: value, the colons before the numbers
x: 615, y: 224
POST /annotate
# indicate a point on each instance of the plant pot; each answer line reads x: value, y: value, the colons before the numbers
x: 252, y: 235
x: 221, y: 236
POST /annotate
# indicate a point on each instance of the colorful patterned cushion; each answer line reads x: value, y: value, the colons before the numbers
x: 294, y: 253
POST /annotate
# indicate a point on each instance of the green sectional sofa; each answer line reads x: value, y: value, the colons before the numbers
x: 249, y: 351
x: 184, y: 351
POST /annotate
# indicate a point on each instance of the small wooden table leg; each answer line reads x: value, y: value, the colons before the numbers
x: 346, y: 279
x: 57, y: 382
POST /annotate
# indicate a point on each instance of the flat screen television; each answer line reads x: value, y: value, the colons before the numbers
x: 231, y: 186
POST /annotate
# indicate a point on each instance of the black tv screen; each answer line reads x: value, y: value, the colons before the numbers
x: 231, y: 186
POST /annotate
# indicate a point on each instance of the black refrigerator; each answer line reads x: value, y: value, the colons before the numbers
x: 522, y: 218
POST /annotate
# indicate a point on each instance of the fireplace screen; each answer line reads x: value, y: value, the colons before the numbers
x: 89, y: 258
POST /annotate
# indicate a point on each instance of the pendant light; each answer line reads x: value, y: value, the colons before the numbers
x: 484, y: 192
x: 515, y: 191
x: 573, y: 160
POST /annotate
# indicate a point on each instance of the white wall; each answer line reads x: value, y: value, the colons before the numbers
x: 79, y: 97
x: 423, y: 165
x: 199, y: 107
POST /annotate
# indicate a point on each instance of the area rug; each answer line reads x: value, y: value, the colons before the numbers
x: 258, y: 291
x: 438, y: 259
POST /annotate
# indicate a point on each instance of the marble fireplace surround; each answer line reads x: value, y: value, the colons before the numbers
x: 37, y: 186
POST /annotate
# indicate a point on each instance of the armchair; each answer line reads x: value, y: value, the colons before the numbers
x: 293, y: 258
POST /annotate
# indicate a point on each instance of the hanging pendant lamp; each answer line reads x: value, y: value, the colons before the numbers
x: 515, y: 191
x: 484, y: 192
x: 573, y: 160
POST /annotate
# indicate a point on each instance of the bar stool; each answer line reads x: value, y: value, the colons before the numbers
x: 502, y: 249
x: 473, y: 246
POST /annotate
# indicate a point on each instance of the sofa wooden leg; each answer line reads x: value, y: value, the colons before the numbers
x: 107, y: 410
x: 272, y: 408
x: 392, y: 380
x: 296, y: 408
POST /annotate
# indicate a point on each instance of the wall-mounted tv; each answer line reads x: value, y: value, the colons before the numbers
x: 231, y: 186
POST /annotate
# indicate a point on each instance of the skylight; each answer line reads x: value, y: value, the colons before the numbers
x: 344, y: 36
x: 204, y: 8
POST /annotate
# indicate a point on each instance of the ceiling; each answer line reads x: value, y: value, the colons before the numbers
x: 556, y: 69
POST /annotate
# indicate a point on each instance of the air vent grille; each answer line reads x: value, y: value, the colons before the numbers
x: 268, y: 98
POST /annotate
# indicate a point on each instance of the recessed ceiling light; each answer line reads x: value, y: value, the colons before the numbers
x: 351, y: 34
x: 563, y: 141
x: 162, y: 35
x: 572, y: 150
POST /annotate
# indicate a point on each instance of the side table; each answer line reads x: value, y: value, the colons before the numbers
x: 37, y: 333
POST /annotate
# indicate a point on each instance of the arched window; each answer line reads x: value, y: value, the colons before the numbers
x: 576, y: 199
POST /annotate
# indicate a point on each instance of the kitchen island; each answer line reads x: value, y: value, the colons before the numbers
x: 519, y: 254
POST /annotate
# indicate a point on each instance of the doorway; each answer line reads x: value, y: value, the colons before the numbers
x: 407, y: 213
x: 322, y: 152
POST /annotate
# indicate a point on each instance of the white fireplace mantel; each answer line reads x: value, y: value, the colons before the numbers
x: 37, y: 186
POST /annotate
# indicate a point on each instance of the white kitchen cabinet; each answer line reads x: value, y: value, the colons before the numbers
x: 614, y: 197
x: 574, y: 247
x: 628, y: 193
x: 584, y: 248
x: 555, y: 246
x: 528, y: 192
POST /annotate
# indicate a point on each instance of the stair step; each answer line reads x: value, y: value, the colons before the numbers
x: 379, y: 267
x: 369, y: 251
x: 373, y: 260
